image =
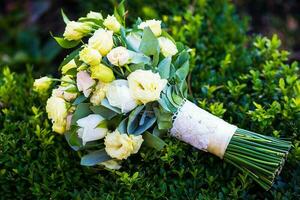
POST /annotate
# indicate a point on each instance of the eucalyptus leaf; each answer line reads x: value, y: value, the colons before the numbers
x: 136, y: 58
x: 149, y: 44
x: 164, y: 68
x: 95, y: 158
x: 145, y: 126
x: 182, y: 58
x: 103, y: 111
x: 82, y: 110
x: 122, y: 128
x: 79, y: 100
x: 183, y: 71
x: 133, y: 119
x: 153, y: 141
x: 73, y: 140
x: 106, y: 104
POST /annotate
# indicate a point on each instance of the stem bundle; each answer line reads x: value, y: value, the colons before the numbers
x: 260, y: 156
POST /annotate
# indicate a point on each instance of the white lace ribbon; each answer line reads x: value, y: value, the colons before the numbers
x: 201, y: 129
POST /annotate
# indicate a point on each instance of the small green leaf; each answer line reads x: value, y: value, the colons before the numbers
x: 65, y: 18
x: 164, y: 68
x: 182, y: 58
x: 153, y: 141
x: 66, y: 43
x: 95, y: 158
x: 69, y: 57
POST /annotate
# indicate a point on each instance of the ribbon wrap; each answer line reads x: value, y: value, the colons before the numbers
x: 201, y: 129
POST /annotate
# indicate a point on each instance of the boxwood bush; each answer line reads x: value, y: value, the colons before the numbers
x: 245, y: 79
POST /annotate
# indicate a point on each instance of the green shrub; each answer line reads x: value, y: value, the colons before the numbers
x: 244, y: 79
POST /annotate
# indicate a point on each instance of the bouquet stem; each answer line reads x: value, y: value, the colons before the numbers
x: 261, y: 156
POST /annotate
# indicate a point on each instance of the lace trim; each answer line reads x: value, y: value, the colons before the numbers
x: 201, y: 129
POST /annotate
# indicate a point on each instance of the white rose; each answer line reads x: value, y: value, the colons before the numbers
x: 94, y: 15
x: 89, y: 131
x: 112, y: 23
x: 57, y: 111
x: 90, y: 56
x: 119, y: 96
x: 167, y: 47
x: 85, y: 83
x: 145, y: 86
x: 154, y: 25
x: 102, y: 40
x: 76, y: 30
x: 118, y: 56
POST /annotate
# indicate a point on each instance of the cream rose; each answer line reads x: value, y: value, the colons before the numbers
x: 85, y: 83
x: 90, y: 56
x: 94, y: 15
x: 102, y: 40
x: 154, y: 25
x: 102, y: 73
x: 99, y: 93
x: 121, y: 146
x: 57, y: 111
x: 118, y: 56
x: 76, y: 30
x: 167, y: 47
x: 145, y: 86
x: 112, y: 23
x: 42, y: 84
x: 118, y: 95
x: 89, y: 131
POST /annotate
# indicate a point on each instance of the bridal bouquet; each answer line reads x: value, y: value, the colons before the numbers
x: 124, y: 87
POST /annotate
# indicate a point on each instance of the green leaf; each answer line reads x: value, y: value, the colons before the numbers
x: 69, y: 57
x: 95, y: 158
x: 137, y: 58
x: 103, y: 111
x: 122, y: 128
x: 73, y: 140
x: 82, y: 110
x: 133, y: 119
x: 149, y: 44
x: 182, y: 58
x: 166, y: 34
x: 164, y: 68
x: 106, y: 104
x: 79, y: 100
x: 65, y: 18
x: 66, y: 43
x: 153, y: 141
x: 183, y: 71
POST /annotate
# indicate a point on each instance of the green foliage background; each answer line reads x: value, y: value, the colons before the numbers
x: 245, y: 79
